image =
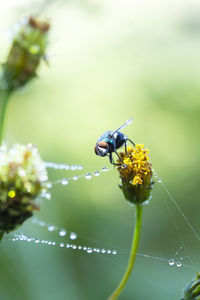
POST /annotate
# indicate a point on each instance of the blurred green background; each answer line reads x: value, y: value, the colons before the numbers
x: 109, y: 61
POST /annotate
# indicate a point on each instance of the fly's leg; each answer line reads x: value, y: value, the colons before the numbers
x: 125, y: 143
x: 111, y: 160
x: 130, y: 142
x: 122, y: 165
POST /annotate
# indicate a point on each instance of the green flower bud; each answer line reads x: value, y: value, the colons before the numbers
x: 22, y: 179
x: 27, y: 49
x: 192, y: 291
x: 136, y: 174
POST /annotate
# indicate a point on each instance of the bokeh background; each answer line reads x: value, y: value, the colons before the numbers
x: 109, y: 61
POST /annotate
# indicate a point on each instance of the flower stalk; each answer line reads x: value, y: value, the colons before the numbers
x: 134, y: 248
x: 4, y: 96
x: 135, y: 172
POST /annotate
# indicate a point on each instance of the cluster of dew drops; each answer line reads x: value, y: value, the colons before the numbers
x: 72, y: 235
x: 66, y: 180
x: 61, y: 231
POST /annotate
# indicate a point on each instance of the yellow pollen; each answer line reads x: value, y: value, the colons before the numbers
x: 11, y: 194
x: 138, y: 167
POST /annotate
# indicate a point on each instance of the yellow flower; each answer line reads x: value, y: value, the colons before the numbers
x: 136, y: 173
x: 135, y: 165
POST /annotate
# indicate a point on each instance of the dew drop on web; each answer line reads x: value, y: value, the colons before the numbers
x: 64, y: 181
x: 89, y: 250
x: 178, y: 264
x: 62, y: 232
x: 96, y: 173
x: 73, y: 236
x: 88, y: 176
x: 51, y: 228
x: 171, y: 262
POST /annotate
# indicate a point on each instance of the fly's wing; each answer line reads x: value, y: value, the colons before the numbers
x: 122, y: 126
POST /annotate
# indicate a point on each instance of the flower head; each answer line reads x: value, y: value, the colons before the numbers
x: 136, y: 174
x: 192, y: 291
x: 28, y: 47
x: 22, y: 179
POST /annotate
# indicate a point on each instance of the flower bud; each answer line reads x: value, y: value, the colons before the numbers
x: 22, y: 179
x: 28, y: 47
x: 192, y: 291
x: 136, y: 174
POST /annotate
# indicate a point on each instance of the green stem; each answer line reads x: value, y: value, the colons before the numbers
x: 1, y: 235
x: 4, y: 96
x: 135, y: 243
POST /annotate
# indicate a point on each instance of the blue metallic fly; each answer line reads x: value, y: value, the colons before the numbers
x: 110, y: 141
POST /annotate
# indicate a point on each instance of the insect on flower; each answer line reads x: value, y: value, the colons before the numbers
x: 110, y: 141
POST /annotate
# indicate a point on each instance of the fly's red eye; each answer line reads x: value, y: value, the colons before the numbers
x: 103, y: 145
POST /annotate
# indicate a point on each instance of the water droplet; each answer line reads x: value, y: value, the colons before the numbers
x: 53, y: 243
x: 62, y: 245
x: 84, y: 248
x: 159, y: 180
x: 97, y: 250
x: 49, y: 185
x: 181, y: 258
x: 88, y: 176
x: 89, y: 250
x: 79, y: 247
x: 103, y: 251
x: 178, y: 264
x: 105, y: 169
x: 67, y: 245
x: 37, y: 241
x: 51, y: 228
x: 64, y: 181
x: 49, y: 243
x: 109, y: 251
x: 114, y: 252
x: 75, y: 178
x: 73, y: 236
x: 96, y: 173
x: 123, y: 166
x: 41, y: 223
x: 47, y: 196
x: 74, y: 247
x: 62, y: 232
x: 171, y: 262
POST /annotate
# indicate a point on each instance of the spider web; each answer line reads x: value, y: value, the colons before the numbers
x: 50, y: 235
